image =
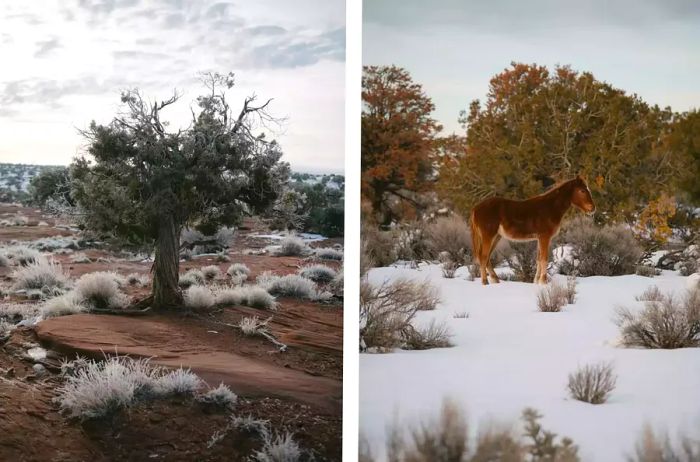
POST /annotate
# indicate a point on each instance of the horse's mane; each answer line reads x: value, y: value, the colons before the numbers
x: 558, y: 185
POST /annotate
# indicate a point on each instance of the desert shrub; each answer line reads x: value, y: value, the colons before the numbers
x: 656, y: 448
x: 51, y: 244
x: 23, y: 255
x: 238, y: 268
x: 177, y: 382
x: 80, y: 258
x: 387, y: 311
x: 39, y: 275
x: 328, y: 253
x: 278, y: 448
x: 434, y: 335
x: 252, y: 296
x: 100, y: 290
x: 336, y: 286
x: 599, y: 251
x: 199, y: 297
x: 222, y: 257
x: 542, y: 444
x: 410, y: 243
x: 449, y: 268
x: 291, y: 285
x: 136, y: 279
x: 211, y: 272
x: 377, y: 248
x: 251, y: 325
x: 446, y: 439
x: 552, y: 298
x: 647, y: 271
x: 221, y: 396
x: 318, y: 273
x: 592, y: 383
x: 96, y: 389
x: 191, y: 277
x: 521, y: 258
x: 4, y: 261
x: 664, y: 322
x: 62, y: 306
x: 650, y: 294
x: 570, y: 289
x: 452, y: 235
x: 293, y: 246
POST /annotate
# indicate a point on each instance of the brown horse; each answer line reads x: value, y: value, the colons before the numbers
x: 537, y: 218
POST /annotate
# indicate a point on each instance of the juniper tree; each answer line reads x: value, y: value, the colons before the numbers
x: 145, y: 183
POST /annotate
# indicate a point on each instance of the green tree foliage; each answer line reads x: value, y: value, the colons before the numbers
x: 51, y: 183
x: 145, y: 183
x: 398, y: 133
x: 325, y: 205
x: 537, y: 128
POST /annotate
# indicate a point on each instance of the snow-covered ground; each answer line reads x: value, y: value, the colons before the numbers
x: 507, y: 356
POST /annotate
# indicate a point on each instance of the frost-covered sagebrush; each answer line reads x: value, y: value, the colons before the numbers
x: 328, y: 253
x: 290, y: 285
x: 221, y: 396
x: 191, y: 277
x: 211, y: 272
x: 318, y: 273
x: 177, y: 382
x: 293, y: 246
x: 62, y: 306
x: 252, y: 296
x: 199, y: 298
x: 100, y: 290
x: 40, y: 274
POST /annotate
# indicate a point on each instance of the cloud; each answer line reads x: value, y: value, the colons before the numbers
x: 50, y: 92
x: 283, y: 53
x: 46, y: 47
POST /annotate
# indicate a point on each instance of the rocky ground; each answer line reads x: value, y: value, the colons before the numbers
x: 299, y: 390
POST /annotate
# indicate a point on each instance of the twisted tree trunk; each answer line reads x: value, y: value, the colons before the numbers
x: 166, y: 292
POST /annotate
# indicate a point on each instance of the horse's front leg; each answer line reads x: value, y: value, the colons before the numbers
x: 542, y: 259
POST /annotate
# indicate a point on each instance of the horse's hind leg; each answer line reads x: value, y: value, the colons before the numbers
x: 489, y: 264
x: 484, y: 257
x: 542, y: 259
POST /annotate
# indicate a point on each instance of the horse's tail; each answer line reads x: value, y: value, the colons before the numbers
x: 476, y: 237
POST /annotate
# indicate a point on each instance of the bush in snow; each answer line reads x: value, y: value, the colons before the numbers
x: 521, y: 258
x: 410, y: 243
x: 40, y: 274
x: 592, y: 383
x: 647, y: 271
x: 100, y: 290
x: 434, y: 335
x: 449, y: 268
x: 447, y: 439
x: 656, y: 448
x: 387, y: 311
x: 551, y: 298
x: 191, y: 277
x: 570, y: 289
x: 451, y: 235
x: 650, y: 294
x: 221, y: 396
x: 377, y: 248
x: 293, y: 246
x: 199, y: 298
x: 318, y: 273
x: 62, y: 306
x: 664, y: 322
x: 599, y: 251
x: 328, y: 253
x: 211, y: 272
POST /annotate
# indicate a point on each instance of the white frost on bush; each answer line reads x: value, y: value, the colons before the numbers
x: 328, y: 253
x: 278, y: 448
x: 252, y: 296
x: 221, y: 396
x: 291, y: 285
x: 39, y: 275
x: 177, y: 382
x: 318, y: 273
x: 62, y: 306
x: 100, y: 290
x: 292, y: 246
x: 192, y: 277
x: 211, y: 272
x: 199, y: 298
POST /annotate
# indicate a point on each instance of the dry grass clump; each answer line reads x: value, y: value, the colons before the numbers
x: 650, y: 294
x: 328, y: 253
x: 137, y: 280
x: 94, y: 389
x: 647, y: 271
x: 199, y: 298
x: 62, y: 306
x: 100, y: 290
x: 221, y: 396
x: 23, y: 255
x: 252, y: 296
x: 592, y: 383
x: 238, y: 269
x: 211, y: 272
x: 278, y: 448
x: 377, y: 248
x: 191, y: 277
x: 40, y: 274
x: 551, y: 298
x: 446, y: 439
x: 652, y: 447
x: 80, y: 258
x: 290, y: 285
x: 521, y: 258
x: 292, y: 246
x: 665, y: 322
x: 252, y: 325
x: 318, y: 273
x: 387, y: 312
x: 449, y: 268
x: 434, y: 335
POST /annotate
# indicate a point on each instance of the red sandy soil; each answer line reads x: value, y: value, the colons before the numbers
x: 299, y: 390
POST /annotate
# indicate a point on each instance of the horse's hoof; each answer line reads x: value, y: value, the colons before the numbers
x: 496, y: 281
x: 484, y: 283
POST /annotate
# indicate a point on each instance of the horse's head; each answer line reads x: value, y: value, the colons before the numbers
x: 581, y: 195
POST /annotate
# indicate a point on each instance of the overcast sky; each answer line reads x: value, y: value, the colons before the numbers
x: 64, y: 63
x: 454, y: 47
